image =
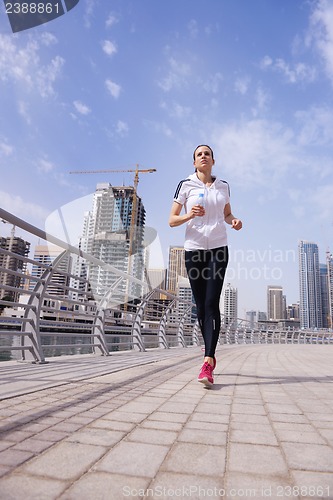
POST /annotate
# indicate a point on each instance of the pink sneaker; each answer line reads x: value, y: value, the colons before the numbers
x: 214, y: 365
x: 206, y: 375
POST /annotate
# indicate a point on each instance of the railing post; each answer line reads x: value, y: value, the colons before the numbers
x: 180, y: 333
x: 195, y: 336
x: 98, y: 332
x: 236, y: 335
x: 227, y: 334
x: 33, y: 312
x: 162, y: 340
x: 98, y: 328
x: 136, y: 327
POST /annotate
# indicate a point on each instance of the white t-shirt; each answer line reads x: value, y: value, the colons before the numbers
x: 212, y: 233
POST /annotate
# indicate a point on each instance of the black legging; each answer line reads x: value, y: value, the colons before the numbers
x: 206, y: 270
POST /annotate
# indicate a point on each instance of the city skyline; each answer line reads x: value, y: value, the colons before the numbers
x: 110, y: 87
x: 313, y: 310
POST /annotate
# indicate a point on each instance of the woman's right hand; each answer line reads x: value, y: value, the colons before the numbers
x: 197, y: 211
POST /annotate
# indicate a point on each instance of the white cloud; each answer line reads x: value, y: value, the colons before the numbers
x: 322, y: 201
x: 242, y: 85
x: 15, y: 62
x: 316, y: 126
x: 46, y: 76
x: 48, y: 39
x: 111, y: 20
x: 159, y: 127
x: 193, y: 28
x: 176, y: 110
x: 319, y: 198
x: 22, y: 65
x: 266, y: 62
x: 296, y: 73
x: 261, y: 101
x: 45, y: 166
x: 109, y: 47
x: 212, y: 84
x: 23, y: 109
x: 321, y: 33
x: 81, y: 108
x: 90, y: 9
x: 177, y: 76
x: 122, y: 128
x: 256, y: 152
x: 21, y: 208
x: 113, y: 88
x: 5, y: 148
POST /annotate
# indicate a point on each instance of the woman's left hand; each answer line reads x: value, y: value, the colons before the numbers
x: 236, y: 224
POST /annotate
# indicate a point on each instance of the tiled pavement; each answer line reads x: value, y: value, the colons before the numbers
x: 111, y: 428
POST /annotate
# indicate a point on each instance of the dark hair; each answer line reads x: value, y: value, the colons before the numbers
x: 203, y: 145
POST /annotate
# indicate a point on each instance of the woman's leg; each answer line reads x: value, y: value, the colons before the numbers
x: 215, y: 270
x: 206, y: 270
x: 194, y: 263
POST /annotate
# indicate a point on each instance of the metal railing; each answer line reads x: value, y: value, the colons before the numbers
x: 243, y: 332
x: 37, y: 322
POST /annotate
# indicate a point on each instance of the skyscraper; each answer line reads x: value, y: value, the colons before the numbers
x: 309, y: 283
x: 323, y: 274
x: 176, y: 267
x: 45, y: 255
x: 19, y: 247
x: 230, y: 304
x: 157, y: 279
x: 275, y: 303
x: 184, y: 292
x: 329, y: 261
x: 113, y: 232
x: 293, y: 311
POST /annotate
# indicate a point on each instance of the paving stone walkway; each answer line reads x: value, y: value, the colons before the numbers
x: 139, y: 425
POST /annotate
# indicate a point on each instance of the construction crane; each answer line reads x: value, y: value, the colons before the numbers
x: 136, y: 182
x: 136, y: 176
x: 137, y: 170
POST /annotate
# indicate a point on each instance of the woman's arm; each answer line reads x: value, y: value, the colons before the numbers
x: 176, y: 219
x: 231, y: 219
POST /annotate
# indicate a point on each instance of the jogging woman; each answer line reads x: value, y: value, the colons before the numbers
x: 206, y: 250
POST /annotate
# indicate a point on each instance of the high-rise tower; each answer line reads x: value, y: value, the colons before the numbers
x: 176, y: 268
x: 230, y: 304
x: 309, y: 283
x: 275, y: 303
x: 108, y: 235
x: 324, y: 292
x: 44, y: 255
x: 14, y: 263
x: 329, y: 261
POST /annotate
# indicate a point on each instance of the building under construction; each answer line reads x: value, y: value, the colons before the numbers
x: 110, y: 235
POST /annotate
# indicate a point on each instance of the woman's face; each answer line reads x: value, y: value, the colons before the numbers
x: 203, y: 160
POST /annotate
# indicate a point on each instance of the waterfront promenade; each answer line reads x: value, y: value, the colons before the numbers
x: 139, y: 425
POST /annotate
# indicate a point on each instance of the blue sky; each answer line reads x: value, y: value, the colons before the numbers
x: 113, y: 84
